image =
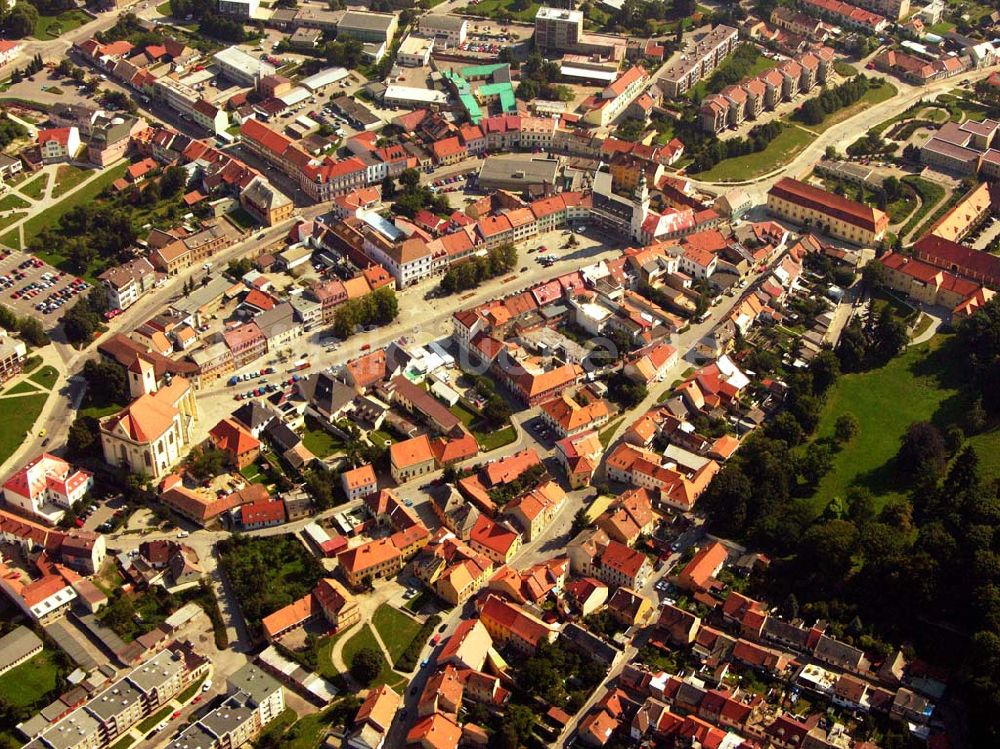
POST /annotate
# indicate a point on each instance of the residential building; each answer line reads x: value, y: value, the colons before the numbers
x: 17, y: 646
x: 605, y: 107
x: 372, y: 560
x: 368, y: 27
x: 510, y: 624
x: 242, y: 67
x: 243, y: 9
x: 125, y: 284
x: 959, y: 148
x: 373, y: 719
x: 46, y: 487
x: 359, y: 482
x: 496, y: 540
x: 698, y: 60
x: 59, y: 144
x: 809, y: 206
x: 241, y: 447
x: 443, y: 27
x: 558, y: 29
x: 266, y: 203
x: 703, y: 567
x: 410, y: 459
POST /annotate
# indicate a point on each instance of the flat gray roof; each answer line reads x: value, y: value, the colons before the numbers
x: 16, y: 644
x: 255, y: 682
x: 519, y: 169
x: 194, y: 737
x: 356, y: 19
x: 71, y: 730
x: 114, y: 700
x: 156, y: 671
x: 227, y: 717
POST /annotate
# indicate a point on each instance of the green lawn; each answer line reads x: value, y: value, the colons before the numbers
x: 46, y: 377
x: 920, y: 385
x: 185, y: 696
x: 99, y: 412
x: 10, y: 219
x: 68, y: 177
x: 22, y: 387
x: 379, y: 437
x: 87, y: 194
x: 163, y: 8
x: 941, y: 28
x: 319, y: 441
x: 35, y: 187
x: 50, y: 27
x: 396, y: 629
x: 492, y: 440
x: 418, y: 601
x: 18, y: 416
x: 155, y: 718
x: 872, y: 97
x: 608, y: 432
x: 124, y: 743
x: 930, y: 194
x: 242, y: 219
x: 11, y: 239
x: 792, y: 140
x: 365, y: 638
x: 12, y: 202
x: 844, y: 69
x: 463, y: 413
x: 486, y: 8
x: 27, y: 684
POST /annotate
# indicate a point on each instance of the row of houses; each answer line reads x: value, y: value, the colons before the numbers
x: 747, y: 100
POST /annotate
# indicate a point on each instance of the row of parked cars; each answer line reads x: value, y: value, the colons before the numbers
x: 57, y: 299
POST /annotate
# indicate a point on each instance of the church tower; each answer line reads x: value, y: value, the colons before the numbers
x: 141, y: 377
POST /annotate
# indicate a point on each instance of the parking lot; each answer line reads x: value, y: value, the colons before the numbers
x: 32, y: 287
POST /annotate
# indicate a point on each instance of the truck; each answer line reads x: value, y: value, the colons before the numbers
x: 300, y: 365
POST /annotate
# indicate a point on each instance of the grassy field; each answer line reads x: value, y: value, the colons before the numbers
x: 85, y: 195
x: 35, y: 187
x: 608, y: 432
x: 930, y: 193
x: 487, y: 7
x: 22, y: 387
x: 124, y: 743
x: 46, y: 377
x: 844, y: 69
x: 68, y: 177
x: 155, y: 718
x: 319, y: 441
x: 921, y: 385
x: 365, y: 638
x: 781, y: 150
x: 185, y: 696
x: 50, y: 27
x: 492, y: 440
x: 12, y: 202
x: 99, y: 412
x: 18, y: 417
x: 872, y: 97
x: 25, y: 685
x: 397, y: 630
x: 760, y: 65
x: 13, y: 218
